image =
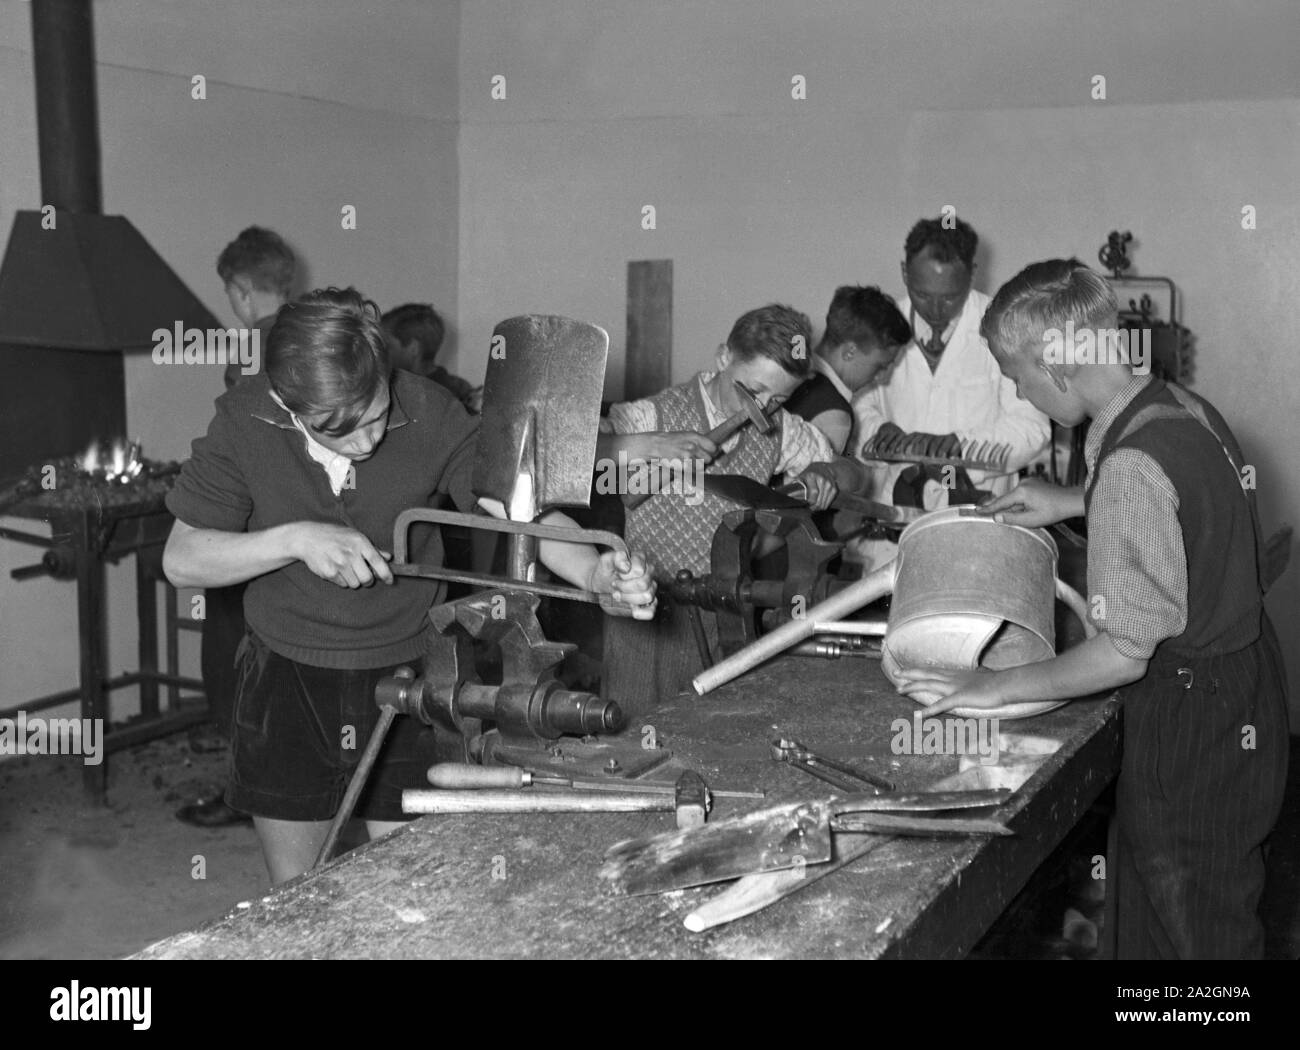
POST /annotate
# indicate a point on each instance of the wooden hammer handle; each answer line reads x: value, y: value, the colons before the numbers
x: 460, y: 775
x: 717, y: 435
x: 727, y: 427
x: 418, y: 800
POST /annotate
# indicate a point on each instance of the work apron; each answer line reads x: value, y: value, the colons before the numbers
x: 1201, y: 785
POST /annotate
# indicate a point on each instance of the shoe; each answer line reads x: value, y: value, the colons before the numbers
x: 212, y: 813
x: 207, y: 739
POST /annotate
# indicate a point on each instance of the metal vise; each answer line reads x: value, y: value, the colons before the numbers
x: 731, y: 589
x: 528, y: 708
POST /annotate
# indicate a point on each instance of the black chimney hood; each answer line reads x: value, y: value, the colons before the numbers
x: 91, y: 283
x: 77, y: 292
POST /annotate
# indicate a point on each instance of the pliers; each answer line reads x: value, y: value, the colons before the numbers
x: 842, y: 776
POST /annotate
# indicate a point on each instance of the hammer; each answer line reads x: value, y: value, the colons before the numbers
x: 750, y: 412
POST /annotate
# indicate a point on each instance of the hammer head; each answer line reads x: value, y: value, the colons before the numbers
x: 692, y: 800
x: 761, y: 419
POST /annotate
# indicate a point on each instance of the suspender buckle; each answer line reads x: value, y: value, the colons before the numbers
x: 1211, y: 685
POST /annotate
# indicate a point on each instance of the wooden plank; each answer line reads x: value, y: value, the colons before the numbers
x: 526, y: 886
x: 648, y: 364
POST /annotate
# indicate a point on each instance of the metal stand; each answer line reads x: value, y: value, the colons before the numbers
x: 83, y: 540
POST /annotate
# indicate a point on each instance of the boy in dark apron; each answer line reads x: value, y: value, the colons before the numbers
x: 1175, y: 593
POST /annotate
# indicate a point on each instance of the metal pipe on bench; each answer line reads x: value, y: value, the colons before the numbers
x: 837, y: 606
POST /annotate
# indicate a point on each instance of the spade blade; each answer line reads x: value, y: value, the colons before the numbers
x: 541, y: 411
x: 765, y: 840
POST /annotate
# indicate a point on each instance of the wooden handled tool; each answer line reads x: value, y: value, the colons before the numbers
x: 751, y: 412
x: 421, y: 800
x: 463, y: 776
x: 689, y: 799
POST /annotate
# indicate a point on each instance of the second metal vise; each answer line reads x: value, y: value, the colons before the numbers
x: 731, y: 589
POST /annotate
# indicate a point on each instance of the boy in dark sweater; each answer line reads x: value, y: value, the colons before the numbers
x: 1175, y: 594
x: 295, y: 489
x: 865, y: 330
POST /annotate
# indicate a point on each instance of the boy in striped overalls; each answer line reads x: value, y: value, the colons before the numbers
x: 1175, y: 592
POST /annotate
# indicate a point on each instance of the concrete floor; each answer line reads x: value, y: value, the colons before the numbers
x: 84, y: 882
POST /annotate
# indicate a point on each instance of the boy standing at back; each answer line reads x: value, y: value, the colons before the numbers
x: 1175, y: 594
x: 865, y: 330
x: 416, y: 331
x: 257, y: 270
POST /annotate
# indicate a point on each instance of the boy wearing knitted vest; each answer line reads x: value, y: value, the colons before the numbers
x: 767, y: 353
x: 1174, y: 591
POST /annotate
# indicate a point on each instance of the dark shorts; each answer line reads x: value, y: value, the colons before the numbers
x: 299, y: 732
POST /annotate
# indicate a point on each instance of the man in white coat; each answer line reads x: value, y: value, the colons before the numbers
x: 946, y: 382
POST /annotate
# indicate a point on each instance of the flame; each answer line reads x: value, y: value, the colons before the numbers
x: 121, y: 461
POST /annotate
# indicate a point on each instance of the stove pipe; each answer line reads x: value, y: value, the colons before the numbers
x: 67, y: 111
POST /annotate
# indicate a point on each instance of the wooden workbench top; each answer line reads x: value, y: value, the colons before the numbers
x: 526, y: 886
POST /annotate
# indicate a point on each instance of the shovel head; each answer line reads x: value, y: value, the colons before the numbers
x: 793, y: 835
x: 769, y: 839
x: 541, y: 413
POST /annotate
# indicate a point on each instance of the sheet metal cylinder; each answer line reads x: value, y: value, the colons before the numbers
x: 971, y: 592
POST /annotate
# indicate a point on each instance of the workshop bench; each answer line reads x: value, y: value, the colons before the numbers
x: 526, y: 886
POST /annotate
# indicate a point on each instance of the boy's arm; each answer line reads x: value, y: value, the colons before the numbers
x: 1093, y: 667
x: 626, y: 583
x: 197, y: 557
x: 632, y: 429
x: 807, y: 456
x: 869, y: 414
x: 837, y: 425
x: 655, y: 444
x: 1035, y: 503
x: 847, y: 475
x: 1137, y: 597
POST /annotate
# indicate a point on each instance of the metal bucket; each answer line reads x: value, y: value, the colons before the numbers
x: 968, y: 591
x: 971, y: 592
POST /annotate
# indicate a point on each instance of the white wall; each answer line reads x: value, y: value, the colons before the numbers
x: 311, y: 104
x: 687, y: 106
x: 1177, y: 176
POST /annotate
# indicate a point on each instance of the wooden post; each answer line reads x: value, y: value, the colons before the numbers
x: 649, y: 354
